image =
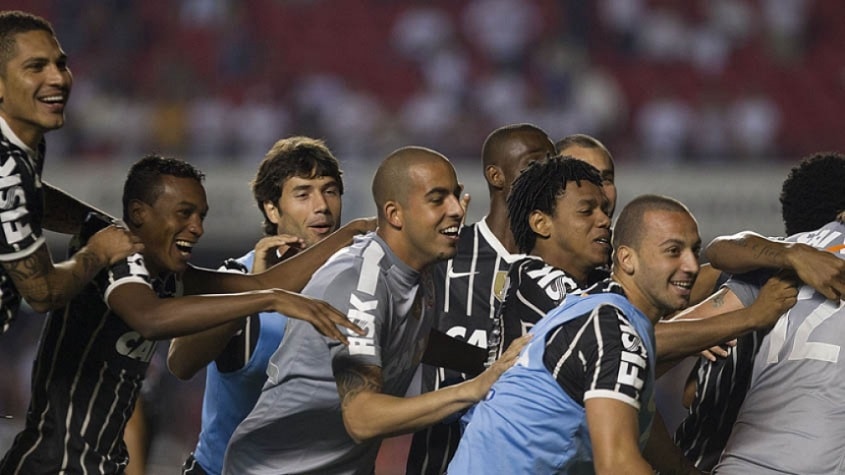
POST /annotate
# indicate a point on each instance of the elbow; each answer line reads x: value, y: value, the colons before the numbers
x: 358, y: 431
x: 176, y: 367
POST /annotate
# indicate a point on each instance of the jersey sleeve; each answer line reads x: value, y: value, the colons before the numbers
x: 129, y: 270
x: 747, y: 286
x: 534, y: 288
x: 365, y: 301
x: 598, y: 355
x: 20, y: 208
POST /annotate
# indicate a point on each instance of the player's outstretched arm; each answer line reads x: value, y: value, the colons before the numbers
x: 47, y: 286
x: 291, y: 274
x: 720, y: 318
x: 189, y: 354
x: 160, y: 318
x: 368, y: 413
x: 747, y: 251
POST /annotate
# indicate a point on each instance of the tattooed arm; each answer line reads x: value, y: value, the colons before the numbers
x: 47, y: 286
x: 747, y: 251
x: 720, y: 318
x: 62, y: 212
x: 368, y: 413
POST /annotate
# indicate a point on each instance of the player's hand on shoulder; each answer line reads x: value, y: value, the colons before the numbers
x: 273, y: 249
x: 486, y: 379
x: 113, y: 243
x: 318, y: 313
x: 819, y: 269
x: 776, y: 296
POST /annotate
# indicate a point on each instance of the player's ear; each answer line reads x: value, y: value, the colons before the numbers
x: 394, y: 214
x: 272, y: 211
x: 625, y: 259
x: 495, y: 176
x: 137, y: 213
x: 540, y: 223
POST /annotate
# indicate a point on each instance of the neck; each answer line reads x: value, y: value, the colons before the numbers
x: 497, y: 221
x: 635, y: 295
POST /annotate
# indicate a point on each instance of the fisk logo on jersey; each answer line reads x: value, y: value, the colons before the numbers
x: 13, y: 213
x: 554, y: 281
x: 632, y: 367
x: 360, y: 313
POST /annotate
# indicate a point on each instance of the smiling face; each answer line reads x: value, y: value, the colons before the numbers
x: 170, y: 227
x: 308, y: 208
x: 431, y: 213
x: 666, y: 261
x: 578, y: 232
x: 34, y: 86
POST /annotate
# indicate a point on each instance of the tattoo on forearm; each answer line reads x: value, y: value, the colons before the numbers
x: 353, y: 379
x: 718, y: 299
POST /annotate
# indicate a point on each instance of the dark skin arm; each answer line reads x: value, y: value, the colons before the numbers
x: 159, y: 318
x: 292, y: 274
x: 747, y: 251
x: 190, y: 353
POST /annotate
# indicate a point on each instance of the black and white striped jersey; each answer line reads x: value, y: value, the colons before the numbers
x: 21, y: 211
x: 86, y: 377
x: 468, y: 291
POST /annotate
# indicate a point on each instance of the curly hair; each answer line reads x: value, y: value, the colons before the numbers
x: 538, y: 187
x: 813, y: 193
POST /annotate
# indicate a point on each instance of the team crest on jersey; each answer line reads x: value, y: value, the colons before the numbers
x: 500, y: 284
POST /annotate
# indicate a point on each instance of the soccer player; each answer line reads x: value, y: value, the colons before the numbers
x: 591, y: 150
x: 469, y: 287
x: 791, y: 419
x: 559, y: 217
x: 580, y: 396
x: 810, y: 197
x: 35, y: 84
x: 298, y: 190
x: 94, y: 353
x: 325, y: 407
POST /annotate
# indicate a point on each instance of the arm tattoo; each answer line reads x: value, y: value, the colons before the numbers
x: 762, y: 250
x: 354, y: 378
x: 718, y: 299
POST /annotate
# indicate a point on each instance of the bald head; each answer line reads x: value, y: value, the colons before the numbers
x: 498, y: 145
x: 628, y: 230
x: 393, y: 178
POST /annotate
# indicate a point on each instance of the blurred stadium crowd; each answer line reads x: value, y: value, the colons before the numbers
x: 214, y: 80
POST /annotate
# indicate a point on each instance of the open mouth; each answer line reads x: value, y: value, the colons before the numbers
x: 451, y: 232
x: 185, y: 247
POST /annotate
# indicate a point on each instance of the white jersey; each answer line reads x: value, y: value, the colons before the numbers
x: 793, y: 418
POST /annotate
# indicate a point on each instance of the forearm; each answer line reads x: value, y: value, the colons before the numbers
x: 293, y: 273
x: 47, y: 286
x: 371, y: 414
x: 680, y: 338
x: 190, y: 353
x: 747, y: 251
x: 176, y: 317
x: 62, y: 212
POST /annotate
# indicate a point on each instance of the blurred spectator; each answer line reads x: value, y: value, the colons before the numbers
x: 754, y: 121
x: 663, y: 127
